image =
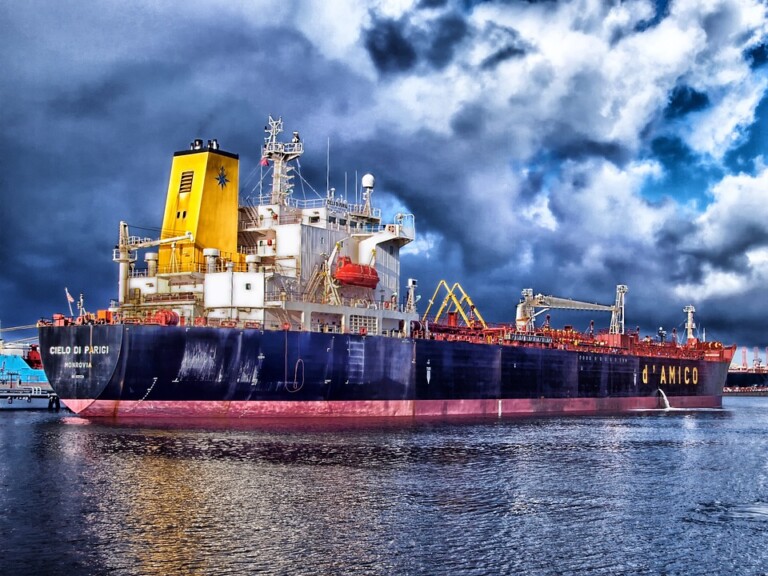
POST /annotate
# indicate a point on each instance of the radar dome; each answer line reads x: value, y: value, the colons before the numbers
x: 368, y: 181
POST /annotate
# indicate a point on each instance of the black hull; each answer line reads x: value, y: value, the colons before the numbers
x: 110, y: 370
x: 746, y: 379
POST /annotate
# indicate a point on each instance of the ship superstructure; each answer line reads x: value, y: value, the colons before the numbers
x: 277, y: 262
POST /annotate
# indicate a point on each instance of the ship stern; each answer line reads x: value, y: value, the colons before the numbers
x: 81, y: 362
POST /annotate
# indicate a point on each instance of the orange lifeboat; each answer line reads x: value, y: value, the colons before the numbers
x: 353, y: 274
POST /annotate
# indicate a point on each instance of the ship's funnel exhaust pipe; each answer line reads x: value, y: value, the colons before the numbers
x: 151, y: 259
x: 211, y: 255
x: 252, y: 261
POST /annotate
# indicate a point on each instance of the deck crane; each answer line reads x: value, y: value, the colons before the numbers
x: 526, y: 309
x: 458, y: 304
x: 125, y: 253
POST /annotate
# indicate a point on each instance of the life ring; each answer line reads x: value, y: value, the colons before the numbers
x: 363, y: 331
x: 200, y: 321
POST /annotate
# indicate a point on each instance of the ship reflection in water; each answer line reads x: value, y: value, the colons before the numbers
x: 538, y: 496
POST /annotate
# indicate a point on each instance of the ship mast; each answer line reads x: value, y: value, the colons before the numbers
x: 617, y: 318
x: 690, y: 325
x: 280, y: 153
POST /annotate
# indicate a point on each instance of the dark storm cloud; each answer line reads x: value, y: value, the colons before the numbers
x: 567, y: 146
x: 501, y: 55
x: 397, y: 46
x: 90, y: 100
x: 389, y: 48
x: 680, y: 266
x: 97, y: 148
x: 729, y: 253
x: 506, y: 44
x: 437, y: 193
x: 469, y: 121
x: 93, y: 131
x: 684, y: 100
x: 446, y: 33
x: 561, y: 142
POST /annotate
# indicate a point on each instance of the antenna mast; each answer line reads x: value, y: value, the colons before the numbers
x: 280, y: 153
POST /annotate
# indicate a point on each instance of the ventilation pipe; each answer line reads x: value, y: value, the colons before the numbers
x: 151, y: 259
x: 210, y: 255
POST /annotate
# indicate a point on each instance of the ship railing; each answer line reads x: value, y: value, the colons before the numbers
x: 265, y: 249
x: 276, y: 297
x: 283, y: 147
x: 134, y: 240
x: 190, y: 267
x: 351, y: 226
x: 289, y: 219
x: 172, y: 297
x: 335, y: 204
x: 407, y: 225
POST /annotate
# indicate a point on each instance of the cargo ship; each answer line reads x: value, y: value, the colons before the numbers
x: 284, y: 305
x: 745, y: 378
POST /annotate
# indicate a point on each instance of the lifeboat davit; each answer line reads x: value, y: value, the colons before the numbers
x: 353, y: 274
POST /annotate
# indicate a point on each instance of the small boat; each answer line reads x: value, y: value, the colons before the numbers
x: 23, y: 384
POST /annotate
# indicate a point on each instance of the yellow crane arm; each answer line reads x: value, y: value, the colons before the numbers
x: 458, y: 303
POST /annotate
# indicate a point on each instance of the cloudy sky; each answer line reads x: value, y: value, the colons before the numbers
x: 562, y: 146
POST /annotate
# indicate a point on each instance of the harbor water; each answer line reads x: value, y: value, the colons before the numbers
x: 658, y: 492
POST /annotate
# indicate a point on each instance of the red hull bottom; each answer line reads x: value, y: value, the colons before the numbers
x: 378, y: 408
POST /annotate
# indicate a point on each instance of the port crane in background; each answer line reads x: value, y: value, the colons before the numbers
x: 526, y: 309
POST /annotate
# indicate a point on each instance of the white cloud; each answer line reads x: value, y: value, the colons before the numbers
x: 714, y: 284
x: 425, y: 244
x: 739, y: 203
x: 538, y: 214
x: 611, y: 207
x: 731, y: 222
x: 720, y: 128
